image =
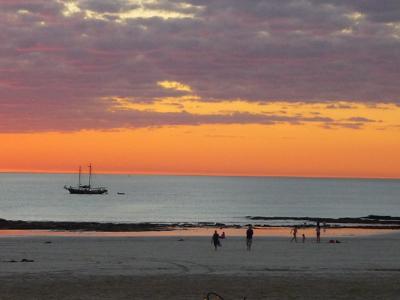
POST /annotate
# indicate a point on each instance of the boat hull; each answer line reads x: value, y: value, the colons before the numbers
x: 86, y: 191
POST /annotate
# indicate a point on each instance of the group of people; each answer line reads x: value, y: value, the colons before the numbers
x: 303, y: 237
x: 249, y: 238
x: 215, y: 240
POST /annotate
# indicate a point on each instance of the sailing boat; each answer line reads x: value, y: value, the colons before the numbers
x: 86, y: 189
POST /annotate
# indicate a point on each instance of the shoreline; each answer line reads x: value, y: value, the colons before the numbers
x: 371, y: 222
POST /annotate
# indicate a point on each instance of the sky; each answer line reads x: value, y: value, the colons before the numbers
x: 212, y: 87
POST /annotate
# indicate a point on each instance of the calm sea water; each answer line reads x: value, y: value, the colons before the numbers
x: 193, y: 198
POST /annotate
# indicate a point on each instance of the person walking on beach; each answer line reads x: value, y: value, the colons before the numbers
x: 215, y: 240
x: 249, y: 237
x: 294, y: 231
x: 303, y: 239
x: 318, y: 231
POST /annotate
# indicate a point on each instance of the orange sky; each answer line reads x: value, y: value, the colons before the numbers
x: 263, y: 88
x: 308, y: 149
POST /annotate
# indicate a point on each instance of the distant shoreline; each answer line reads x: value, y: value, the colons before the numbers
x: 368, y: 222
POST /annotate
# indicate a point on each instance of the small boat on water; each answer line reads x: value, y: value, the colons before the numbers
x: 87, y: 188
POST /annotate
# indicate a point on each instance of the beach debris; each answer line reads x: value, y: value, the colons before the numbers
x: 212, y: 295
x: 16, y: 261
x: 120, y: 193
x: 215, y: 296
x: 48, y: 242
x: 181, y: 240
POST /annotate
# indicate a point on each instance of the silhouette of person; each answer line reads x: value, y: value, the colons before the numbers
x: 303, y: 238
x: 215, y: 240
x: 294, y: 231
x: 249, y: 237
x: 318, y: 231
x: 222, y: 235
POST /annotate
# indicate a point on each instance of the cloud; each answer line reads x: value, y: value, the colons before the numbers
x: 69, y: 55
x: 108, y: 115
x: 376, y: 10
x: 101, y: 120
x: 108, y: 6
x: 340, y: 106
x: 361, y: 120
x: 174, y: 85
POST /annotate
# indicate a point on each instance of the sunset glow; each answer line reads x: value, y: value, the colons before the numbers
x: 159, y: 87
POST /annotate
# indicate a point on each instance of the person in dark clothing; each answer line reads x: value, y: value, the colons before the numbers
x: 215, y: 240
x: 318, y: 232
x: 249, y: 237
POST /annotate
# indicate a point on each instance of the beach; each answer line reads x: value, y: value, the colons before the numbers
x: 185, y: 266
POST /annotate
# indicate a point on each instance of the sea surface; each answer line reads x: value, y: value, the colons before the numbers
x: 193, y: 199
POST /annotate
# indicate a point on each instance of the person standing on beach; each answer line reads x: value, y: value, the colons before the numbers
x: 215, y: 240
x: 294, y: 231
x: 318, y: 231
x: 249, y: 237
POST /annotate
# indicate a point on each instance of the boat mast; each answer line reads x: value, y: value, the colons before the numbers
x: 79, y: 178
x: 90, y: 173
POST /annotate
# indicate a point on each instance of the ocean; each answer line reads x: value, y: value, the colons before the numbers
x: 193, y: 199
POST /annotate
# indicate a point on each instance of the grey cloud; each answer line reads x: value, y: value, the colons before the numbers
x: 174, y: 6
x: 254, y: 50
x: 350, y: 123
x: 108, y: 6
x: 376, y: 10
x: 101, y: 119
x: 361, y: 120
x: 340, y: 106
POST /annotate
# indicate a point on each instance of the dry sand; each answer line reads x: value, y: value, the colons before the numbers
x: 361, y: 267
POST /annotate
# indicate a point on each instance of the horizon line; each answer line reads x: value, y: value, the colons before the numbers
x: 200, y: 174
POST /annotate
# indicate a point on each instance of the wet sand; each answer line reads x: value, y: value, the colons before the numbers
x: 191, y: 232
x: 195, y: 287
x: 99, y: 267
